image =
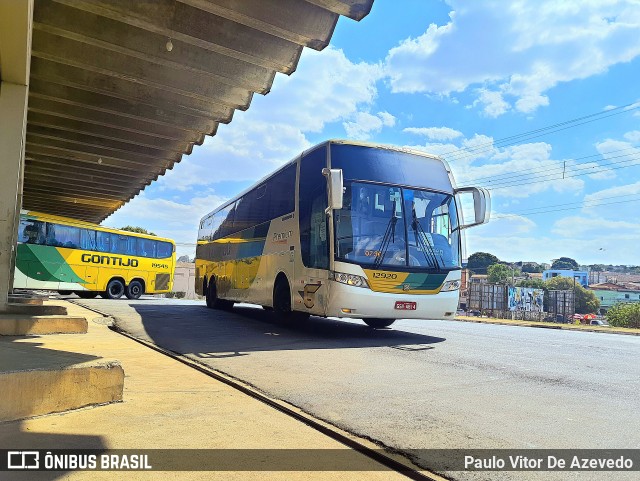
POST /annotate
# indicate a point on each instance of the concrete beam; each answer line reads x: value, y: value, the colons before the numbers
x: 299, y: 22
x: 105, y: 84
x: 105, y: 153
x: 82, y: 179
x: 164, y: 148
x: 119, y: 165
x: 197, y: 85
x: 110, y: 119
x: 175, y: 20
x: 181, y: 121
x: 108, y: 132
x: 71, y: 185
x: 105, y: 33
x: 45, y: 196
x: 355, y: 9
x: 91, y: 168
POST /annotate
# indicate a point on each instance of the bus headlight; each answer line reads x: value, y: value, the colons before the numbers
x: 350, y: 279
x: 450, y: 286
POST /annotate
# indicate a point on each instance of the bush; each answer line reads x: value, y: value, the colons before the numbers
x: 625, y: 315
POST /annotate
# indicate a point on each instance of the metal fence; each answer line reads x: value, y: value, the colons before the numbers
x: 493, y: 300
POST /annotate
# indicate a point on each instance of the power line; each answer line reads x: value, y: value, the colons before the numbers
x: 577, y: 205
x: 564, y: 175
x: 535, y: 170
x: 461, y: 153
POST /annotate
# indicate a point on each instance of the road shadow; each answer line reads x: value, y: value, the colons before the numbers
x: 192, y: 328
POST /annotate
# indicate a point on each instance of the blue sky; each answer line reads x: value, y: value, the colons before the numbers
x: 455, y: 78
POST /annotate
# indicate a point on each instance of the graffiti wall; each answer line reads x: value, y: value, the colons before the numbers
x: 526, y: 299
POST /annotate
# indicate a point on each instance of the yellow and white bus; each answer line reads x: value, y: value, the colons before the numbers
x: 346, y: 229
x: 67, y: 255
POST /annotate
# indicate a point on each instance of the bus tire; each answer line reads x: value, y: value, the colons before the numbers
x: 115, y: 289
x: 207, y: 297
x: 86, y: 294
x: 378, y: 323
x: 134, y: 290
x: 64, y: 293
x: 282, y: 303
x: 213, y: 301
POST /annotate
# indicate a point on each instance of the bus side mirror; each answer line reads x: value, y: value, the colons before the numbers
x: 481, y: 205
x: 335, y: 185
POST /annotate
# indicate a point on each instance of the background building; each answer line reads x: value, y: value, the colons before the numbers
x: 610, y: 294
x: 581, y: 277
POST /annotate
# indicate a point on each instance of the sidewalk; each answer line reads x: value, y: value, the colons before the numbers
x: 166, y: 405
x: 550, y: 325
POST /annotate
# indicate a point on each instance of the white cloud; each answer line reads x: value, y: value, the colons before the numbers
x: 435, y: 133
x: 633, y: 136
x: 364, y: 124
x: 589, y: 228
x: 509, y: 60
x: 493, y: 102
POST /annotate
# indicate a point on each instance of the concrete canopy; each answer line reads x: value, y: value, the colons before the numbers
x: 120, y: 90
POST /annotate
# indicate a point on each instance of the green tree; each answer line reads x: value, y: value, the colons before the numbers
x: 535, y: 283
x: 598, y: 267
x: 479, y: 261
x: 139, y: 230
x: 625, y: 315
x: 531, y: 267
x: 499, y: 274
x: 586, y: 300
x: 565, y: 263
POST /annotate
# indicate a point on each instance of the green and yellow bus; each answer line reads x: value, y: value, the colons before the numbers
x: 67, y: 255
x: 346, y: 229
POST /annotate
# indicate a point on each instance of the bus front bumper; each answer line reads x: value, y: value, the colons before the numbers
x: 358, y: 303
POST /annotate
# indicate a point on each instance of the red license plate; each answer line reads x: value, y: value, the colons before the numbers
x: 405, y: 306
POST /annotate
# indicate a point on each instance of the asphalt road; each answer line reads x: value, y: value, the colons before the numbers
x: 419, y: 384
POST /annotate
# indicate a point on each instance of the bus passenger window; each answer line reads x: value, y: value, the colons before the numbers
x: 146, y: 247
x: 88, y: 239
x: 31, y: 232
x: 124, y: 244
x: 103, y: 241
x: 165, y: 249
x: 63, y: 236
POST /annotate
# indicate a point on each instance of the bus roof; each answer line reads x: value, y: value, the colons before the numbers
x: 321, y: 144
x: 87, y: 225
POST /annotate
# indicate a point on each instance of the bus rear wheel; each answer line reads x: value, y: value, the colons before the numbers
x: 134, y: 290
x: 86, y: 294
x: 213, y: 301
x: 115, y: 289
x: 378, y: 323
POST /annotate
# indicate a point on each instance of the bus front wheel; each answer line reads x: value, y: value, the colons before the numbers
x: 378, y: 323
x: 134, y: 290
x: 115, y: 289
x: 282, y: 303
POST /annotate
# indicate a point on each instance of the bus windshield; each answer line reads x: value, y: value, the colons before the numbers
x: 381, y: 225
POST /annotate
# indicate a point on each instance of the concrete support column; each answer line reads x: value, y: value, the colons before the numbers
x: 13, y: 121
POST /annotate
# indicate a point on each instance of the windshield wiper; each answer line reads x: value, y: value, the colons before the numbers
x: 423, y: 241
x: 389, y: 234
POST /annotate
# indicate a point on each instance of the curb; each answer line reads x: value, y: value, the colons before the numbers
x: 541, y: 325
